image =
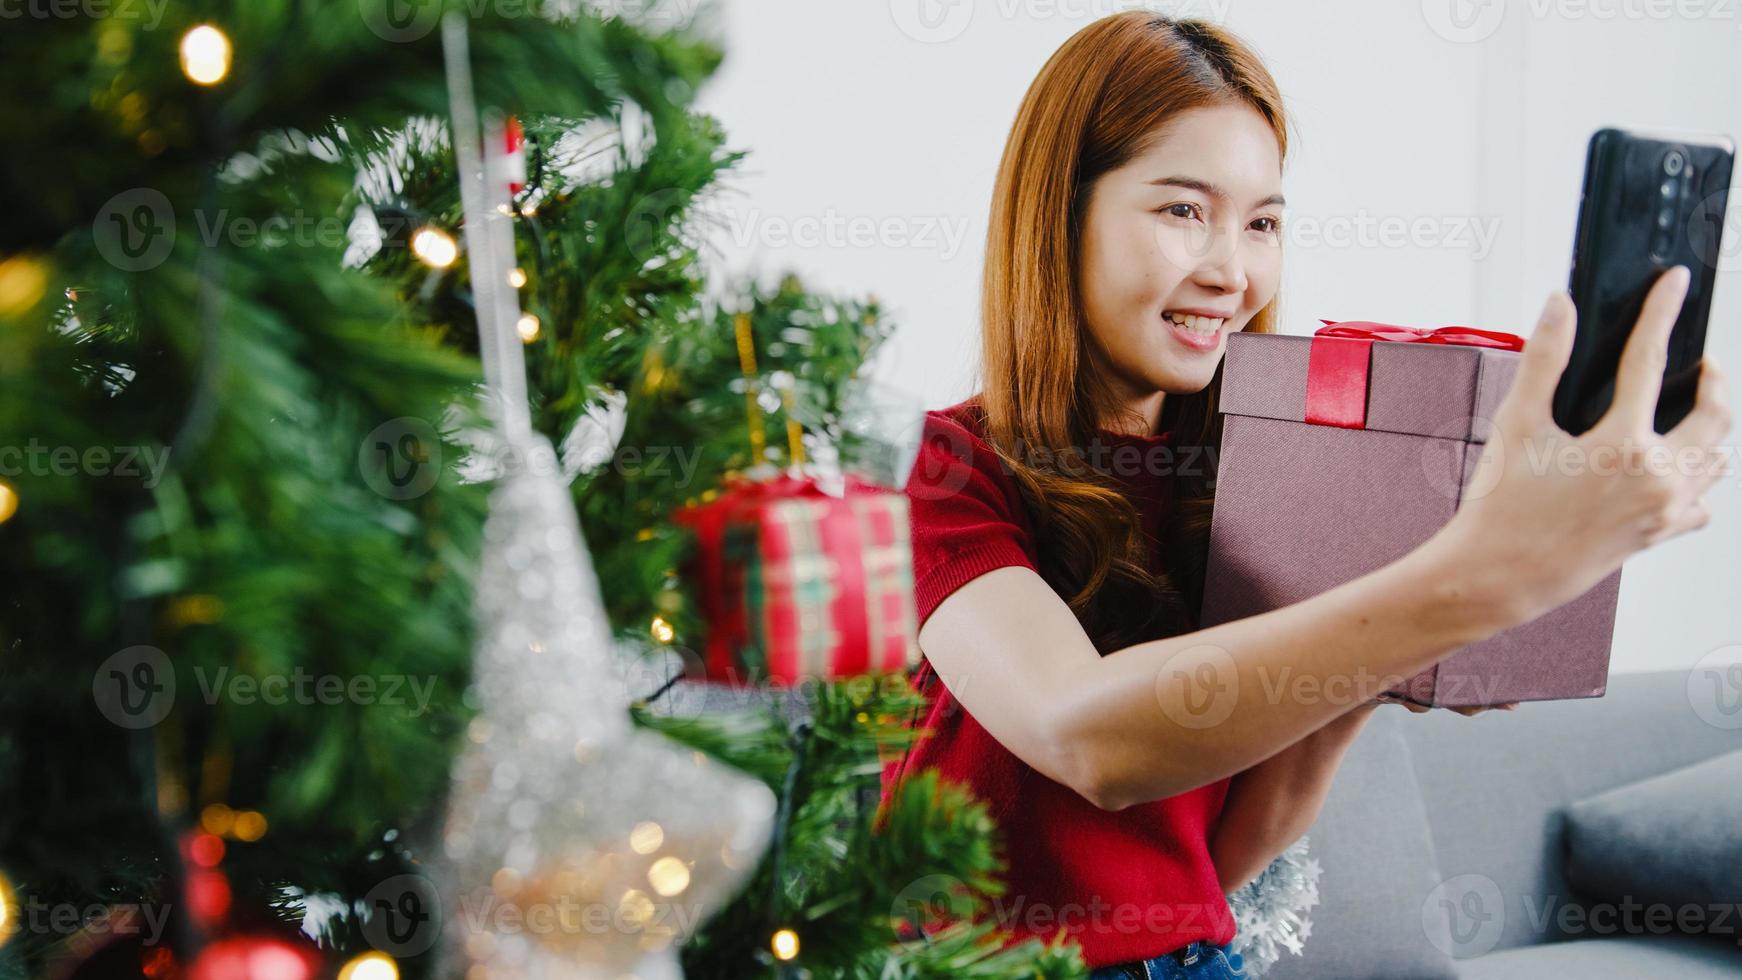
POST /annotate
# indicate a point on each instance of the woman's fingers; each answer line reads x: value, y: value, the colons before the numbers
x: 1531, y: 399
x: 1639, y: 380
x: 1417, y: 708
x: 1476, y: 710
x: 1710, y: 421
x: 1411, y: 705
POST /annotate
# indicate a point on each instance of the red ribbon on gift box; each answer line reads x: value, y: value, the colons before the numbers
x: 722, y: 590
x: 1341, y: 355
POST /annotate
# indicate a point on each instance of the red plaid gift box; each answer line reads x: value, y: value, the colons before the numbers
x: 795, y: 582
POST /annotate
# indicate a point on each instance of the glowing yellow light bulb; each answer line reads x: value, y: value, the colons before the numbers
x: 370, y: 966
x: 22, y: 281
x: 517, y: 278
x: 528, y: 328
x: 784, y: 943
x: 646, y: 837
x: 249, y: 825
x: 8, y: 910
x: 205, y: 55
x: 669, y: 876
x: 434, y: 247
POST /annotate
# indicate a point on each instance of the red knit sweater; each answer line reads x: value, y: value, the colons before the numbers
x: 1126, y: 885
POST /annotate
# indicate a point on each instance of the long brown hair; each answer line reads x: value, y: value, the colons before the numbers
x: 1094, y: 106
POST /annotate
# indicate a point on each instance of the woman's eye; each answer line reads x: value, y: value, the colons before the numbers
x: 1266, y: 224
x: 1181, y: 210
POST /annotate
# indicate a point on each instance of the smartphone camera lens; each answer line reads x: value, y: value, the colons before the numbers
x: 1673, y: 162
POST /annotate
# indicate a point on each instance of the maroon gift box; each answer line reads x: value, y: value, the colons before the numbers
x: 1313, y: 491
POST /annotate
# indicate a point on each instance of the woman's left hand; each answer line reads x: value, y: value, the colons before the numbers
x: 1466, y: 712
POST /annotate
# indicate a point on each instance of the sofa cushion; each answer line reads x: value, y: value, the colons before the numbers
x: 1374, y: 918
x: 1624, y: 956
x: 1673, y: 838
x: 1497, y: 787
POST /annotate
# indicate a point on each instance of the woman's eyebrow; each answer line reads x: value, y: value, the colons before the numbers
x: 1205, y: 187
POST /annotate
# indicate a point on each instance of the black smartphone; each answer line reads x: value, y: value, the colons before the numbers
x: 1651, y: 201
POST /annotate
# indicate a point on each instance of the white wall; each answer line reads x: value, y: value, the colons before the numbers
x: 1433, y: 179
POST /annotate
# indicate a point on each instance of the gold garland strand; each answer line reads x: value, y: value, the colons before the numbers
x: 747, y: 364
x: 794, y: 433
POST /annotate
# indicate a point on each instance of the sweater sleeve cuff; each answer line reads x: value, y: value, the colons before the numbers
x: 936, y: 583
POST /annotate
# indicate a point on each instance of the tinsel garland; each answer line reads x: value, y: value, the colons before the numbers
x: 1270, y: 910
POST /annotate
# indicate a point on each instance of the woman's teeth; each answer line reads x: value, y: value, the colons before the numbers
x: 1201, y: 324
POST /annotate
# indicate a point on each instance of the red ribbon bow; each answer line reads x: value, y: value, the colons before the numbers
x: 1341, y: 354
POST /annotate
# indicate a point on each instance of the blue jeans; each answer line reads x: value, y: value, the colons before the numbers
x: 1201, y: 960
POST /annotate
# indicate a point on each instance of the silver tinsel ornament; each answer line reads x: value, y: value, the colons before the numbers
x: 1270, y: 910
x: 576, y: 844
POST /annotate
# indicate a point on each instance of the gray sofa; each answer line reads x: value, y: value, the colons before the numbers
x: 1442, y: 842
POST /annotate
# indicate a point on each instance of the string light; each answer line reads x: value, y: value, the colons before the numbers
x: 8, y: 910
x: 217, y: 819
x: 669, y: 876
x: 8, y: 501
x: 250, y: 825
x: 662, y: 630
x: 205, y: 55
x: 527, y: 327
x: 517, y: 278
x: 434, y: 247
x: 22, y: 281
x: 370, y: 966
x: 784, y: 943
x: 646, y: 837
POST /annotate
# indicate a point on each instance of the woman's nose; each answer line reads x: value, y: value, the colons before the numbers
x: 1222, y: 268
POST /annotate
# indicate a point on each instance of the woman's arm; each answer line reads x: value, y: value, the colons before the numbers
x: 1160, y: 718
x: 1271, y: 805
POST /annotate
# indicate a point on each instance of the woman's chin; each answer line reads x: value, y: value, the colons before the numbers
x: 1186, y: 381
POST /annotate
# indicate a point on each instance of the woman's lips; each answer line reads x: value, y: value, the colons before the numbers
x: 1193, y: 339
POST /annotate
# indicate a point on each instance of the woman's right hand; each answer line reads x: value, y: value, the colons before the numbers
x: 1546, y: 515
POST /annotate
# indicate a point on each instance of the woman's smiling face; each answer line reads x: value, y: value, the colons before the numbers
x: 1180, y: 246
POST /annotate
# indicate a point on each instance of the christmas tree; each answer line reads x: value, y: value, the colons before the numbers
x: 629, y: 357
x: 237, y: 490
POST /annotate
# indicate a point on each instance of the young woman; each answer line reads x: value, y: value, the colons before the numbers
x: 1060, y: 515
